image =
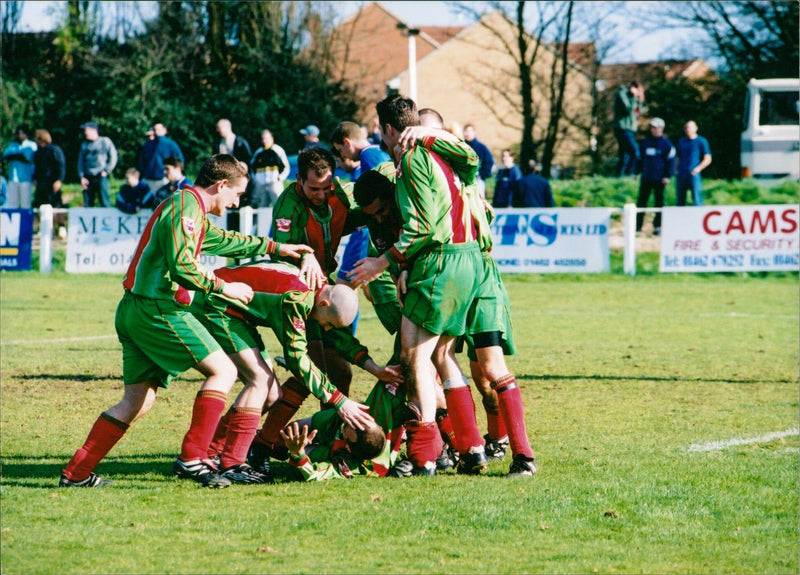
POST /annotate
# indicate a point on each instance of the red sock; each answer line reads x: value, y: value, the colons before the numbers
x: 208, y: 406
x: 461, y: 408
x: 494, y: 422
x: 282, y: 412
x: 513, y: 413
x: 218, y: 442
x: 242, y: 429
x: 104, y: 435
x: 445, y: 426
x: 423, y: 442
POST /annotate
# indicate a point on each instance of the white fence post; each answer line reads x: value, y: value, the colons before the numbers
x: 45, y: 238
x: 629, y: 231
x: 246, y: 220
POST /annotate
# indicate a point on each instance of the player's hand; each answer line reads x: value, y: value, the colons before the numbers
x: 296, y: 438
x: 390, y: 374
x: 238, y: 291
x: 355, y: 414
x: 367, y: 270
x: 294, y: 250
x: 311, y: 272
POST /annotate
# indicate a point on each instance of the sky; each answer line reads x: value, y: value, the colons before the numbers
x: 38, y: 16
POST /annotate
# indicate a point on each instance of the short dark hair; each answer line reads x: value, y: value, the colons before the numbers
x: 372, y: 185
x: 369, y: 443
x: 221, y: 167
x: 174, y: 161
x: 349, y: 130
x: 315, y: 158
x: 398, y: 112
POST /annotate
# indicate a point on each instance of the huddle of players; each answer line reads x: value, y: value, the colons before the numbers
x: 430, y: 238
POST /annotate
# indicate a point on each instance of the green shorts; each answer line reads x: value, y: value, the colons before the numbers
x: 160, y: 339
x: 442, y: 285
x: 490, y: 313
x: 232, y: 333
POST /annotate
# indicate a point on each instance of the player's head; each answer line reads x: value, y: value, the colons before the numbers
x: 173, y: 168
x: 348, y: 139
x: 431, y: 118
x: 223, y: 178
x: 364, y: 443
x: 315, y: 167
x: 395, y: 114
x: 374, y: 192
x: 335, y: 306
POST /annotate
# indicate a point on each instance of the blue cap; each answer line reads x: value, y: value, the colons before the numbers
x: 89, y: 125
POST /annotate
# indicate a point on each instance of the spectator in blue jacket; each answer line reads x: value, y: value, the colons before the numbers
x: 657, y: 166
x: 533, y: 190
x: 486, y: 166
x: 506, y: 181
x: 153, y: 153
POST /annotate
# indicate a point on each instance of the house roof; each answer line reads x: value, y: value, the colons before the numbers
x: 618, y: 74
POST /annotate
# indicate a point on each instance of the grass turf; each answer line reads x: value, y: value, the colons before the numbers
x: 663, y: 410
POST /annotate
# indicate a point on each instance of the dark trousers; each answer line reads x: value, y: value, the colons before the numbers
x: 98, y: 188
x: 628, y: 152
x: 645, y: 189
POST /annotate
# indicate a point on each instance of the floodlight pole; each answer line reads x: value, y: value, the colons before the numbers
x: 412, y: 34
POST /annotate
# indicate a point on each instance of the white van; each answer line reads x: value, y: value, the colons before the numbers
x: 771, y: 136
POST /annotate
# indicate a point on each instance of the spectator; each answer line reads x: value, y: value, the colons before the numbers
x: 132, y: 193
x: 486, y: 168
x: 311, y: 135
x: 270, y: 168
x: 237, y: 146
x: 533, y: 191
x: 349, y: 142
x: 152, y: 155
x: 627, y: 108
x: 506, y: 181
x: 3, y: 184
x: 176, y: 180
x: 51, y: 169
x: 658, y: 165
x: 694, y: 155
x: 96, y: 160
x: 19, y: 155
x: 375, y: 132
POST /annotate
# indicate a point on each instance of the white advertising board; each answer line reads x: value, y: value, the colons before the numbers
x: 730, y: 238
x: 552, y: 240
x: 103, y: 240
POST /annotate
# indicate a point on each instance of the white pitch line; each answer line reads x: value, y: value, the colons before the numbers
x: 57, y: 340
x: 720, y: 445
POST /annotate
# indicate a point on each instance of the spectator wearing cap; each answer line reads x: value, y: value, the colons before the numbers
x: 657, y: 165
x: 153, y: 153
x: 96, y: 160
x: 18, y: 156
x: 311, y: 135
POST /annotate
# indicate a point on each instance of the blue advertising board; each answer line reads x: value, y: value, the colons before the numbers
x: 16, y: 239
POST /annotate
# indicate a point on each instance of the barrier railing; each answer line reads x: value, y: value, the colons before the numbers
x: 714, y: 238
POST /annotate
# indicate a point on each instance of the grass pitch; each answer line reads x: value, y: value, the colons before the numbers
x: 663, y: 410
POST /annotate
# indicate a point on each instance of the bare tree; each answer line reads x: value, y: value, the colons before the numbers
x: 754, y: 39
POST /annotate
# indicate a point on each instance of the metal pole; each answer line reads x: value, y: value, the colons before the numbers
x: 629, y: 231
x: 45, y: 238
x: 412, y: 63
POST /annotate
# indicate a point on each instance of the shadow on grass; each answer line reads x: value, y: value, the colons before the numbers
x: 64, y: 377
x: 647, y: 378
x: 41, y: 471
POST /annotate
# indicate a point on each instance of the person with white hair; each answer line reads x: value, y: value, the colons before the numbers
x: 657, y: 167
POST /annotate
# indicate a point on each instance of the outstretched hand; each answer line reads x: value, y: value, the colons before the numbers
x: 237, y: 291
x: 296, y: 439
x: 311, y: 272
x: 294, y: 250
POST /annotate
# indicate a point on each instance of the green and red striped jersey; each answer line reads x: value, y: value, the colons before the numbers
x: 168, y: 253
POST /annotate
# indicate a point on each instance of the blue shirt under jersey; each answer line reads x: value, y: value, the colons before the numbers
x: 370, y: 157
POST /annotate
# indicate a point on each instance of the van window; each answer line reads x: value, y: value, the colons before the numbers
x: 778, y: 109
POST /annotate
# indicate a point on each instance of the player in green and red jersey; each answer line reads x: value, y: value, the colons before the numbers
x: 489, y: 334
x: 284, y: 303
x: 318, y: 210
x: 438, y: 247
x: 160, y: 338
